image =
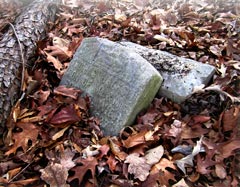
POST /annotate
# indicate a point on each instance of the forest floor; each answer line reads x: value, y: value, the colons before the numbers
x: 56, y: 141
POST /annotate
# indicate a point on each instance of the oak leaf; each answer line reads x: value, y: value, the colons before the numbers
x: 80, y: 171
x: 138, y: 166
x: 55, y: 175
x: 21, y: 139
x: 159, y: 174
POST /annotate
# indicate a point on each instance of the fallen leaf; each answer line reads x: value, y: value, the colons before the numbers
x: 216, y: 50
x: 69, y: 92
x: 66, y: 116
x: 230, y: 118
x: 188, y: 160
x: 21, y: 139
x: 138, y: 166
x: 236, y: 65
x: 153, y: 156
x: 112, y: 163
x: 61, y: 53
x: 56, y: 63
x: 194, y: 131
x: 116, y: 149
x: 163, y: 174
x: 60, y: 42
x: 176, y: 129
x: 201, y: 119
x: 104, y: 149
x: 184, y: 162
x: 181, y: 183
x: 134, y: 140
x: 59, y: 133
x: 13, y: 172
x: 222, y: 70
x: 220, y: 171
x: 55, y: 175
x: 66, y: 159
x: 227, y: 149
x: 89, y: 163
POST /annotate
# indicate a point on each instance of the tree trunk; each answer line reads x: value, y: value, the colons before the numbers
x: 30, y: 27
x: 9, y: 10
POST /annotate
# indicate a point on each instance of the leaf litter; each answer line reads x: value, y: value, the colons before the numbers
x: 53, y: 140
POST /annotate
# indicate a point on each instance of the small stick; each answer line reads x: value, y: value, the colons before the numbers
x: 19, y: 172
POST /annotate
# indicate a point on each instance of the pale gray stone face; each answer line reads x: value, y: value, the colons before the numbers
x: 180, y: 75
x: 119, y: 81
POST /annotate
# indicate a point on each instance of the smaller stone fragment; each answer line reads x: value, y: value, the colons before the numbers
x: 180, y: 75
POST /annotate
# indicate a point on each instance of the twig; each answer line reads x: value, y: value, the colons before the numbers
x: 12, y: 179
x: 23, y: 60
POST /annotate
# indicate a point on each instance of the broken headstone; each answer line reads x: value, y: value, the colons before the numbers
x: 119, y: 81
x: 180, y: 75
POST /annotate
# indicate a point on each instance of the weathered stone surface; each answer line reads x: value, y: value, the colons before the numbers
x: 180, y: 75
x: 119, y: 81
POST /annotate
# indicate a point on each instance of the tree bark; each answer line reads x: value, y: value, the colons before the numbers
x: 30, y: 27
x: 9, y: 10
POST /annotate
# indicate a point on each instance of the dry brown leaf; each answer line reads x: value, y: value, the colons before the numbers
x: 66, y: 159
x: 154, y: 155
x: 21, y: 183
x: 55, y: 175
x: 13, y: 172
x: 66, y: 116
x: 231, y: 118
x: 56, y: 63
x: 134, y: 140
x: 181, y: 183
x: 60, y: 42
x: 163, y: 175
x: 59, y: 133
x: 116, y: 149
x: 188, y: 160
x: 194, y: 131
x: 138, y: 166
x: 69, y: 92
x: 21, y: 139
x: 79, y: 171
x: 220, y: 171
x: 227, y: 148
x: 112, y: 163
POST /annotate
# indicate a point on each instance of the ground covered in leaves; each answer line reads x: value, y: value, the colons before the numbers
x: 53, y: 140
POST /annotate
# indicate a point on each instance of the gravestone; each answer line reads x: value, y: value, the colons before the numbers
x: 180, y: 75
x: 119, y: 82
